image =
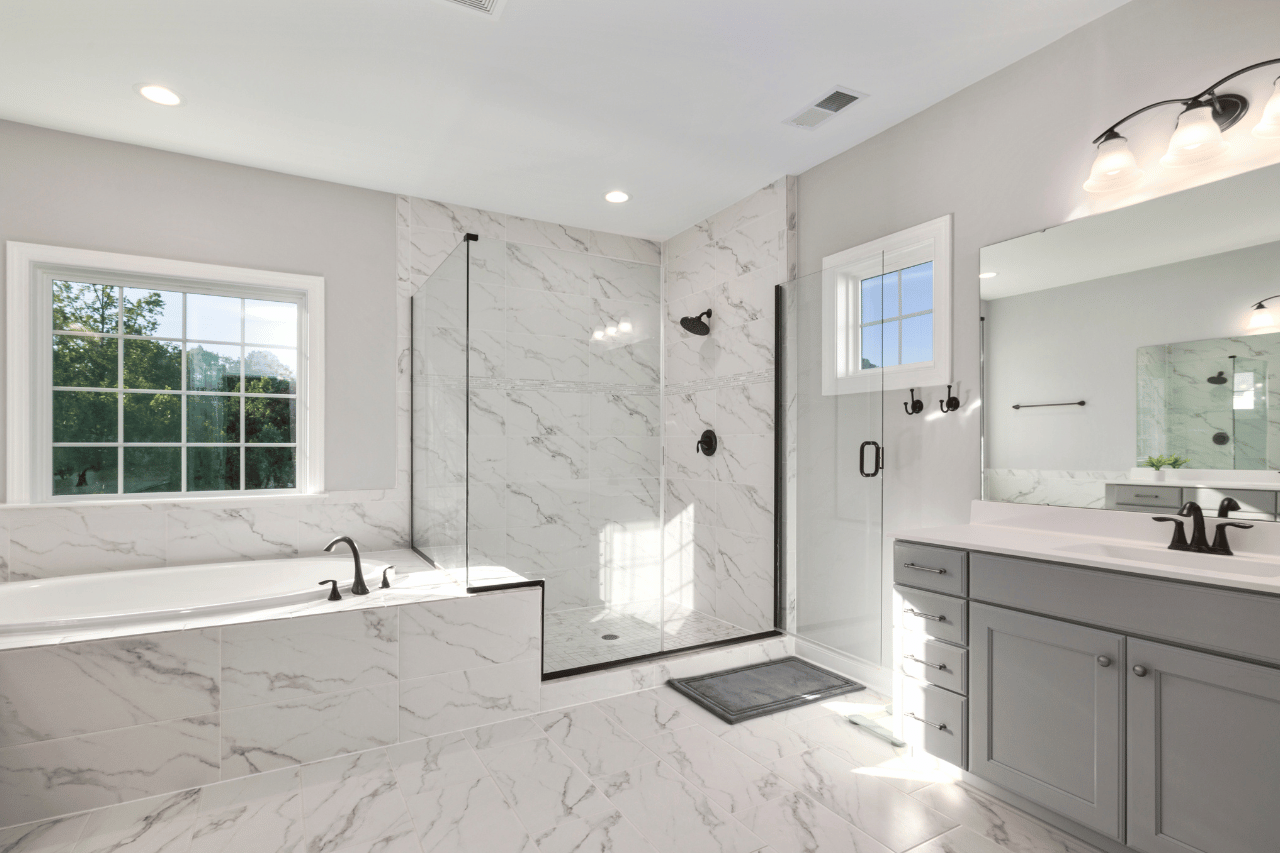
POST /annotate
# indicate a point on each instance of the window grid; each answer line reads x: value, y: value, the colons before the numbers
x: 183, y: 343
x: 885, y: 318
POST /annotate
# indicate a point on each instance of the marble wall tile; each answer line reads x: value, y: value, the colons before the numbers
x: 486, y: 457
x: 692, y: 272
x: 747, y: 299
x: 546, y: 412
x: 574, y: 690
x: 573, y: 587
x: 745, y: 409
x: 439, y: 302
x: 453, y: 701
x: 541, y: 312
x: 269, y: 737
x: 767, y: 204
x: 466, y: 633
x: 429, y: 248
x: 487, y: 410
x: 548, y: 457
x: 683, y: 461
x: 747, y: 349
x: 54, y: 777
x: 457, y: 218
x: 631, y: 364
x: 625, y: 414
x: 625, y: 457
x: 698, y: 234
x: 487, y: 355
x: 625, y: 502
x: 689, y: 565
x: 691, y: 501
x: 374, y: 525
x: 486, y: 505
x: 531, y: 503
x: 746, y: 460
x: 65, y: 542
x: 691, y: 360
x: 744, y: 508
x: 158, y: 825
x: 548, y: 358
x: 308, y: 656
x: 60, y: 691
x: 534, y: 268
x: 690, y: 414
x: 550, y: 548
x: 548, y: 235
x: 352, y: 800
x: 627, y: 248
x: 542, y: 784
x: 754, y: 246
x: 744, y: 580
x: 227, y: 535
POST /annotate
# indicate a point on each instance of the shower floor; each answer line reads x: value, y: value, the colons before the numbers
x: 574, y: 638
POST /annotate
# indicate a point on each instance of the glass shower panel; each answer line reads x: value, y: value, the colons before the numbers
x: 833, y: 456
x: 438, y: 406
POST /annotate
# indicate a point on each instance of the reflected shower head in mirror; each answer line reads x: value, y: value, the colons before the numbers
x: 1220, y: 379
x: 696, y: 325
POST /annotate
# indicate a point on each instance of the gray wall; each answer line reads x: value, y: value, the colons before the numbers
x: 1008, y: 156
x: 68, y: 190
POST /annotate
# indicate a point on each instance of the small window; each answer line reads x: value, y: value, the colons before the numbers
x: 881, y: 304
x: 143, y: 388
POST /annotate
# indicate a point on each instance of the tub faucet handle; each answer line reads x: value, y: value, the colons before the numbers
x: 334, y: 595
x: 386, y: 584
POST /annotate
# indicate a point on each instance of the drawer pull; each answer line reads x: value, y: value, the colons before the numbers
x: 1140, y: 671
x: 924, y: 615
x: 924, y: 568
x: 942, y: 727
x: 941, y: 666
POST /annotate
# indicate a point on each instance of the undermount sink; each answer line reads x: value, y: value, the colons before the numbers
x: 1215, y: 563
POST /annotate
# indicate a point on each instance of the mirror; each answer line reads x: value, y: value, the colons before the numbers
x: 1124, y: 350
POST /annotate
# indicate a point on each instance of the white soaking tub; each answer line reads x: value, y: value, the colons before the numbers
x: 146, y: 597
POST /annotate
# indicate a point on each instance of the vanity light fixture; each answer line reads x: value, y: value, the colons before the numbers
x: 624, y: 325
x: 1197, y: 138
x: 616, y: 196
x: 1261, y: 317
x: 610, y: 330
x: 598, y: 334
x: 159, y: 95
x: 988, y: 274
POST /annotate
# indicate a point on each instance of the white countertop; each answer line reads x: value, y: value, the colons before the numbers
x: 1114, y: 541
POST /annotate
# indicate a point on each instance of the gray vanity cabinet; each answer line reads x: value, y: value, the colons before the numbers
x: 1046, y: 713
x: 1204, y: 752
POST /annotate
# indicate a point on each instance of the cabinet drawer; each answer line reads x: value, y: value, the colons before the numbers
x: 939, y: 616
x: 942, y: 569
x: 934, y: 720
x: 1253, y: 502
x: 1162, y: 497
x: 925, y: 659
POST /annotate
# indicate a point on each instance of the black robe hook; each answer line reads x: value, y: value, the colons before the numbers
x: 950, y: 404
x: 915, y: 407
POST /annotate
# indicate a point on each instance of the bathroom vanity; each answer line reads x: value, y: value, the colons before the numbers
x: 1131, y: 689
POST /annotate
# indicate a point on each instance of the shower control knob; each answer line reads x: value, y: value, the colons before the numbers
x: 708, y: 443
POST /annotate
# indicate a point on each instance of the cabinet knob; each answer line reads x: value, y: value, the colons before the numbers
x: 1140, y: 671
x: 1103, y: 660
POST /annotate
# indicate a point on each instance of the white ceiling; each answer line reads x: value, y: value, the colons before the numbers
x: 536, y: 113
x: 1233, y: 213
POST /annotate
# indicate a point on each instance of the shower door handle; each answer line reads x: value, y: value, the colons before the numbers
x: 877, y: 459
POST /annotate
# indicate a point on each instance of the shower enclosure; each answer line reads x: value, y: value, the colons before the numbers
x: 538, y: 450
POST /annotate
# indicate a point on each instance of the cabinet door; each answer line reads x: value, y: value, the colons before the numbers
x: 1046, y: 713
x: 1204, y: 752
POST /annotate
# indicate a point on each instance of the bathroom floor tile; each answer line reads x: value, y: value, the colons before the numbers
x: 594, y: 741
x: 643, y: 715
x: 435, y: 762
x: 795, y: 822
x: 606, y: 833
x: 724, y: 774
x: 155, y: 825
x: 464, y: 818
x: 47, y: 836
x: 351, y: 799
x: 998, y: 822
x: 501, y: 734
x: 257, y: 814
x: 542, y: 784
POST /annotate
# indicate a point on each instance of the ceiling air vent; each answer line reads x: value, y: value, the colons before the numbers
x: 834, y: 102
x: 489, y: 7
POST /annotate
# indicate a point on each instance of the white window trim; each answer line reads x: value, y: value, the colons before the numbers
x: 930, y: 241
x: 25, y: 263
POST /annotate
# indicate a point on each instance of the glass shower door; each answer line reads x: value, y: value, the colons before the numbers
x: 834, y: 456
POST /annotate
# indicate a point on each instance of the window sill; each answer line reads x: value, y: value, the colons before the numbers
x: 220, y: 500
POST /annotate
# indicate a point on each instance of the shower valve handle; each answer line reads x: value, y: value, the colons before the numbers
x: 334, y: 595
x: 708, y: 443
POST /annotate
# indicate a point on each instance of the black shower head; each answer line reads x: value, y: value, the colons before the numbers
x: 696, y: 325
x: 1219, y: 379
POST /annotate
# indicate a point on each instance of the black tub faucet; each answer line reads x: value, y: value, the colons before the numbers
x: 1228, y: 505
x: 358, y: 586
x: 1192, y: 510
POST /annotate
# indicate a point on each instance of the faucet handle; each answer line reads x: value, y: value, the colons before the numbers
x: 1220, y: 545
x: 386, y: 584
x: 334, y: 595
x: 1179, y: 542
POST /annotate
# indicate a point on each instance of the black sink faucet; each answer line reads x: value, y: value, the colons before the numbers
x: 358, y: 586
x: 1192, y: 510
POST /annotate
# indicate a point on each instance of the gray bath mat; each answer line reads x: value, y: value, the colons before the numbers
x: 763, y: 688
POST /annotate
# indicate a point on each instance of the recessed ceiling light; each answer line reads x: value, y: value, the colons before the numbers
x: 159, y: 95
x: 617, y: 196
x: 988, y: 274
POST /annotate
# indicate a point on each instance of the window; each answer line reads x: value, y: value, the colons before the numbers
x: 135, y: 385
x: 886, y: 312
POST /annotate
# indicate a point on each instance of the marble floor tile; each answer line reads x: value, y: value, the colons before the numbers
x: 257, y: 814
x: 796, y: 824
x: 456, y: 700
x: 156, y: 825
x: 962, y: 840
x: 51, y: 836
x: 606, y: 833
x: 466, y: 818
x: 1012, y: 830
x: 542, y: 784
x: 724, y: 774
x: 501, y: 734
x: 871, y: 755
x: 405, y: 841
x: 643, y: 715
x: 350, y: 800
x: 886, y: 814
x: 436, y: 762
x: 764, y: 740
x: 673, y: 814
x: 690, y: 709
x: 594, y: 741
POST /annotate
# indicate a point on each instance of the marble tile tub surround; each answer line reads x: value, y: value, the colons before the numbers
x: 646, y: 772
x: 718, y: 532
x: 85, y: 725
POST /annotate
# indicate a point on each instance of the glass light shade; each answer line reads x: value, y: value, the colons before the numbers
x: 610, y: 331
x: 1198, y: 139
x: 1114, y: 168
x: 624, y: 325
x: 1261, y: 318
x: 1269, y: 127
x: 598, y: 334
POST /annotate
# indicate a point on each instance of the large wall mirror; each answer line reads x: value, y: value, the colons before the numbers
x: 1126, y: 366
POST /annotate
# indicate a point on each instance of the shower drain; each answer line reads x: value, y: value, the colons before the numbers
x: 609, y: 636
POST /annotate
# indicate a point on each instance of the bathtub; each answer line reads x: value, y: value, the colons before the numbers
x: 148, y: 596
